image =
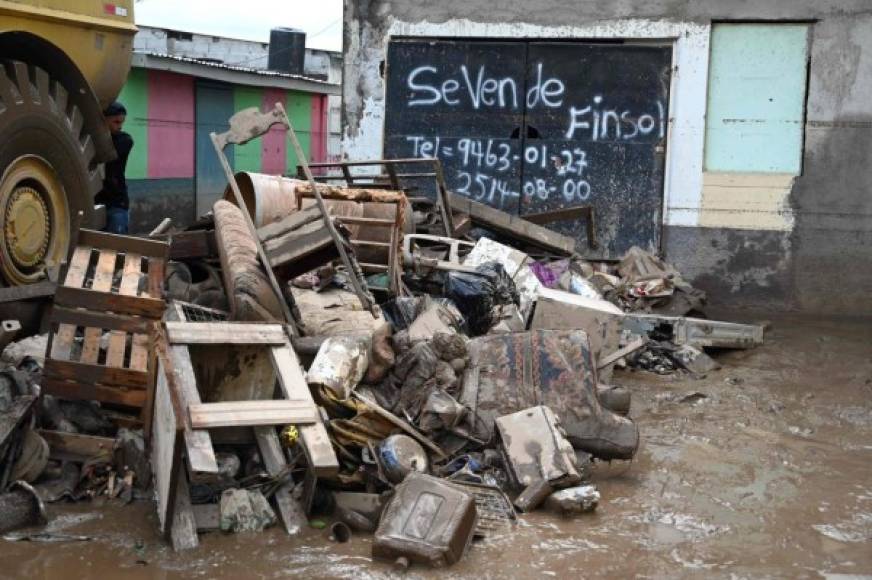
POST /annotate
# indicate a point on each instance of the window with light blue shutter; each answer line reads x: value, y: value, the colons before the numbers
x: 756, y: 98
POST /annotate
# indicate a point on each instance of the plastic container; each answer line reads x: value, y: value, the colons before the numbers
x: 428, y: 520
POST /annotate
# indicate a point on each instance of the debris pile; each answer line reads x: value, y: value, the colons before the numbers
x: 311, y: 353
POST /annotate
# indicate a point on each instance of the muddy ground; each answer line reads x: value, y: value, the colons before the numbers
x: 761, y: 469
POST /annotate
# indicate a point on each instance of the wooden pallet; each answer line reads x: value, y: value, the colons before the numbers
x: 112, y: 284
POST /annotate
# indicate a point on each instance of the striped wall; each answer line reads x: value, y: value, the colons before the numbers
x: 161, y: 118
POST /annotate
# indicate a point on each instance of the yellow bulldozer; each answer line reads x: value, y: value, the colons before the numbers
x: 61, y: 63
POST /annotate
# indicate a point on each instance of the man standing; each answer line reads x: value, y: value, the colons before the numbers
x: 114, y: 192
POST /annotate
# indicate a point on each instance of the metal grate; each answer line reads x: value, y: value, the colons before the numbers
x: 194, y: 313
x: 495, y: 511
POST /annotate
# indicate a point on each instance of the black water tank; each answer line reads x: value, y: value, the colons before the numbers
x: 287, y: 50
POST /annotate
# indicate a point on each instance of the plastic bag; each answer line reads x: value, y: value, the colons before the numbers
x: 475, y: 295
x: 402, y: 311
x: 549, y: 273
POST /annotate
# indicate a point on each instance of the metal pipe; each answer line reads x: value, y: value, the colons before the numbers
x: 340, y: 532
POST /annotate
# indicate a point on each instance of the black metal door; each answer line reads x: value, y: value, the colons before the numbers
x: 596, y: 123
x: 530, y: 127
x: 464, y: 103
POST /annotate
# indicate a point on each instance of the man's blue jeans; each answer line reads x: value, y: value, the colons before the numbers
x: 117, y: 220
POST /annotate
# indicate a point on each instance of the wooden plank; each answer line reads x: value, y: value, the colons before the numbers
x: 370, y: 244
x: 91, y: 392
x: 622, y: 352
x: 564, y: 213
x: 290, y: 236
x: 290, y: 511
x: 166, y: 450
x: 78, y: 267
x: 139, y: 354
x: 62, y: 342
x: 225, y: 333
x: 252, y: 413
x: 366, y: 221
x: 102, y: 302
x: 200, y: 453
x: 188, y: 245
x: 128, y: 287
x: 105, y: 320
x: 103, y: 275
x: 90, y: 373
x: 584, y: 212
x: 118, y: 340
x: 156, y: 275
x: 75, y: 446
x: 289, y: 223
x: 151, y: 363
x: 104, y: 272
x: 183, y: 532
x: 513, y: 226
x: 43, y: 289
x: 297, y: 245
x: 119, y: 243
x: 316, y: 442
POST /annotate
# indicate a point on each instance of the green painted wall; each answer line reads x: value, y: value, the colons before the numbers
x: 299, y: 108
x: 756, y: 100
x: 248, y: 156
x: 134, y: 96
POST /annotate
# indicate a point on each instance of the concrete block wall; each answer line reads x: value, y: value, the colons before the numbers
x: 794, y: 233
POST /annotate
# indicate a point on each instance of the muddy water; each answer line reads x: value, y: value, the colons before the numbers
x: 761, y: 469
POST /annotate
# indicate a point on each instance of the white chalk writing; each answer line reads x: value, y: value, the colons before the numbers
x: 548, y: 91
x: 552, y: 165
x: 482, y: 90
x: 599, y: 124
x: 485, y: 188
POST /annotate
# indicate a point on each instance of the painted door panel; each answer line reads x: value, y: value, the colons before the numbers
x: 214, y: 106
x: 596, y: 123
x: 464, y: 103
x: 529, y: 127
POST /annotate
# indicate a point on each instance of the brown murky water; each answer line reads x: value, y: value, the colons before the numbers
x: 769, y: 474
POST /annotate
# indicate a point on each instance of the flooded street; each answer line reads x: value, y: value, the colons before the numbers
x: 761, y: 469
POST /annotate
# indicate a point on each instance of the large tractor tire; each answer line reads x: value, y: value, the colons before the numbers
x: 48, y: 172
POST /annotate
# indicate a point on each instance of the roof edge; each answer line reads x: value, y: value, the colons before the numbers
x: 232, y: 74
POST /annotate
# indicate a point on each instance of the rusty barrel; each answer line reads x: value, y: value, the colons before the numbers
x: 268, y: 198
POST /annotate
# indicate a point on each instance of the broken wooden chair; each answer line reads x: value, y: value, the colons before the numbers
x: 184, y: 425
x: 249, y: 124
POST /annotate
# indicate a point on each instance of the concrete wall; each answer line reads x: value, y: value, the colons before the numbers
x: 224, y: 50
x: 756, y: 240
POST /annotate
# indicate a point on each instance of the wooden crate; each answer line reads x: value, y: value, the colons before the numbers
x: 113, y: 284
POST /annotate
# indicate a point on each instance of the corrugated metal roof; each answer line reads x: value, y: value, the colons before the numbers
x: 279, y: 79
